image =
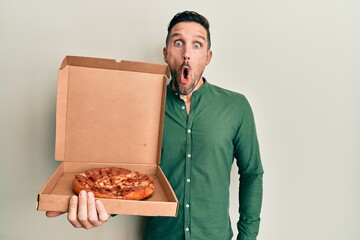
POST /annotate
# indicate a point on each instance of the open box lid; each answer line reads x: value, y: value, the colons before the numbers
x: 110, y: 111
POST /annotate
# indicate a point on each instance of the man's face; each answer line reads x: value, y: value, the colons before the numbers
x: 187, y: 55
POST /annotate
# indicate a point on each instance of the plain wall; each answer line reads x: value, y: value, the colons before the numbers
x: 298, y: 63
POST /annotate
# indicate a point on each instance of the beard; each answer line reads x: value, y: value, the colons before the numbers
x: 181, y: 88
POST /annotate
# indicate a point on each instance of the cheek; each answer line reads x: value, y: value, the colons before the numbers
x: 172, y: 52
x: 201, y: 64
x: 202, y: 58
x: 172, y: 56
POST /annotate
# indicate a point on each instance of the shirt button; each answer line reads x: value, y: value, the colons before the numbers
x: 183, y: 107
x: 189, y: 130
x: 189, y: 155
x: 188, y: 180
x: 187, y: 205
x: 187, y: 229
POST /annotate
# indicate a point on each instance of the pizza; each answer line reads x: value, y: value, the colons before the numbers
x: 116, y: 183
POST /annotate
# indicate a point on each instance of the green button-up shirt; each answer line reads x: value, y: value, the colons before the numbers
x: 197, y: 155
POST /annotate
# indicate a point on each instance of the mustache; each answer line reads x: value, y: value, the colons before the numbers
x: 185, y: 64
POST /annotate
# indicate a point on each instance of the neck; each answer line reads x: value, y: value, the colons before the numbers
x: 187, y: 98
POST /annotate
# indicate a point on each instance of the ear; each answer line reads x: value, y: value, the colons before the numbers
x: 165, y: 54
x: 208, y: 57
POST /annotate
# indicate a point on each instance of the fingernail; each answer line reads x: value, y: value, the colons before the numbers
x: 90, y: 195
x: 82, y: 193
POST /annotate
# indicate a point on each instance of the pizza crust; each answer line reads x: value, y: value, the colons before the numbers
x: 115, y: 183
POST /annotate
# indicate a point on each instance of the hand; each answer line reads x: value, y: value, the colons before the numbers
x: 84, y: 211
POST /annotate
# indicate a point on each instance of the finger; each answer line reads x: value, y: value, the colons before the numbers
x: 53, y: 214
x: 92, y: 213
x: 102, y: 213
x: 82, y: 213
x: 73, y: 209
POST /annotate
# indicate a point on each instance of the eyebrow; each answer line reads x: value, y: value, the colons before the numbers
x: 179, y: 34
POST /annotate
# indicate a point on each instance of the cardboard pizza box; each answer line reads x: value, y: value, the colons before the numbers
x: 109, y: 114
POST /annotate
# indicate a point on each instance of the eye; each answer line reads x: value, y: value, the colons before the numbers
x: 197, y: 45
x: 178, y: 43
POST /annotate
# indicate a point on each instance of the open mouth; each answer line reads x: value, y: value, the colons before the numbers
x: 185, y: 72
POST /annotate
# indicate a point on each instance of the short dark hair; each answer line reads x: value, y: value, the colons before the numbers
x: 189, y: 16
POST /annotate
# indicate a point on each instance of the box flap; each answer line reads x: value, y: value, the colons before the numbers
x: 110, y: 111
x: 91, y: 62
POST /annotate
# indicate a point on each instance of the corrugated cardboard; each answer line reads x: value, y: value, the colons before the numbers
x: 109, y: 114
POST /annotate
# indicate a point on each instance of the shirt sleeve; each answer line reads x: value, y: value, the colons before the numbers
x: 250, y: 169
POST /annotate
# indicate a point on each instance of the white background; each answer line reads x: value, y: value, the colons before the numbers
x: 298, y: 62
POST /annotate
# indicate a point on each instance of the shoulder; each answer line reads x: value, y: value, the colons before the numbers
x: 229, y: 96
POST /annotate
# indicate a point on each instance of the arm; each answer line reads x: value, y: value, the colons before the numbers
x: 84, y: 211
x: 250, y: 199
x: 251, y: 175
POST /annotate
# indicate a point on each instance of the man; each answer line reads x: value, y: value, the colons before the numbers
x: 205, y: 128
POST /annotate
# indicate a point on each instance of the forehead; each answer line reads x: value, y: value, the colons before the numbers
x: 189, y: 29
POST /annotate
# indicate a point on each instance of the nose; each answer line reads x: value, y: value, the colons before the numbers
x: 186, y: 53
